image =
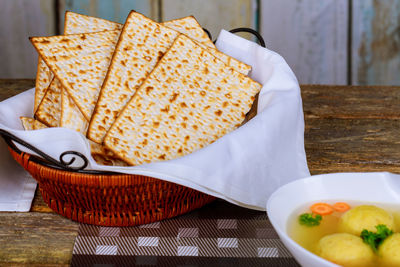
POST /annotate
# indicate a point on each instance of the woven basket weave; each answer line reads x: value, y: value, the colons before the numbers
x: 110, y: 199
x: 113, y: 199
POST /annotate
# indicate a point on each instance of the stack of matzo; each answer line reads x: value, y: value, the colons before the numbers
x: 142, y: 91
x: 141, y: 46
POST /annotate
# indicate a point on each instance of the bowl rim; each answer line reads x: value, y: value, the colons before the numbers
x: 282, y: 231
x: 287, y: 239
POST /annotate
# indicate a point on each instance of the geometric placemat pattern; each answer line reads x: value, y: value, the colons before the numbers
x: 218, y: 234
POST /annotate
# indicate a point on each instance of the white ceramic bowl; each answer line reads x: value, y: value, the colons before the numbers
x: 380, y: 188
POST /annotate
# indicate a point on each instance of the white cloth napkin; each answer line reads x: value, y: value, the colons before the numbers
x: 243, y: 167
x: 17, y: 187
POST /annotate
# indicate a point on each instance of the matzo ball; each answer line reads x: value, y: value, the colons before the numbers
x: 364, y: 217
x: 345, y: 249
x: 389, y: 250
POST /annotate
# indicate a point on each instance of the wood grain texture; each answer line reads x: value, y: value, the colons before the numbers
x: 311, y: 35
x: 376, y: 42
x: 11, y: 87
x: 348, y: 128
x: 213, y: 15
x: 111, y: 10
x: 352, y: 128
x: 20, y: 19
x: 38, y: 204
x: 352, y: 145
x: 36, y: 238
x: 351, y: 102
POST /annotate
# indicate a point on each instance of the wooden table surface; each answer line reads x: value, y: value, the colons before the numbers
x: 348, y: 129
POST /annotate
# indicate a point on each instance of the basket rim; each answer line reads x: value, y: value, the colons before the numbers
x: 79, y: 178
x: 47, y: 161
x: 37, y: 166
x: 54, y: 182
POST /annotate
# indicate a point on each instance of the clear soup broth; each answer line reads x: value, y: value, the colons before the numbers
x: 308, y: 237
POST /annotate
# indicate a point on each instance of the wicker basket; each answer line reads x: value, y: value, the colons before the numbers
x: 110, y: 199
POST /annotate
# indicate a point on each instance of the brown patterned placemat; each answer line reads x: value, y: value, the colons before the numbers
x: 219, y: 234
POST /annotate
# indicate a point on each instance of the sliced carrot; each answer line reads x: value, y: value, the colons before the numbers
x: 341, y: 206
x: 321, y: 208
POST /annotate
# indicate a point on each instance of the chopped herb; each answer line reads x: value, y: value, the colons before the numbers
x: 375, y: 239
x: 307, y: 219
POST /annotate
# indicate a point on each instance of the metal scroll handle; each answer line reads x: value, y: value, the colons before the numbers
x: 62, y: 164
x: 249, y: 30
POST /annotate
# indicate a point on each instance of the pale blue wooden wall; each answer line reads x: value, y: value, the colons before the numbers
x: 20, y: 19
x: 107, y: 9
x: 311, y: 35
x: 376, y: 42
x: 324, y: 41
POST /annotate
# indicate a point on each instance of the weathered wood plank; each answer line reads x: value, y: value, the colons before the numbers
x: 34, y: 265
x: 11, y: 87
x: 341, y: 135
x: 345, y: 145
x: 38, y: 204
x: 213, y: 15
x: 36, y: 238
x: 311, y: 35
x: 365, y: 102
x: 111, y: 10
x: 352, y: 128
x: 376, y: 42
x: 20, y: 19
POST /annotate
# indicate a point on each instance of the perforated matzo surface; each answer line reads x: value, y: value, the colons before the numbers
x: 189, y: 100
